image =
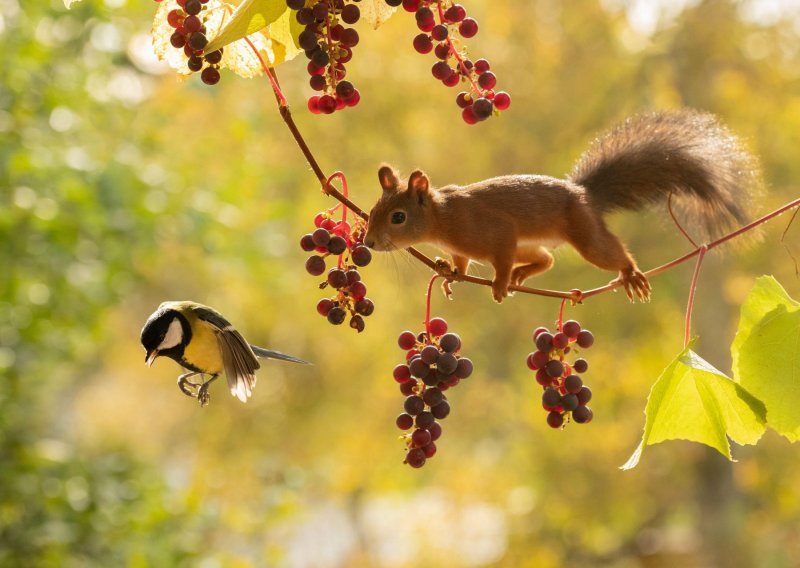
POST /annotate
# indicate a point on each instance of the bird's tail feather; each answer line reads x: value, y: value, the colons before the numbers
x: 269, y: 354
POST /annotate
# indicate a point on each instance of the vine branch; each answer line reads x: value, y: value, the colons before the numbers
x: 575, y: 295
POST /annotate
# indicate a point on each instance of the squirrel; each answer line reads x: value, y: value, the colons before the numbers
x: 512, y: 221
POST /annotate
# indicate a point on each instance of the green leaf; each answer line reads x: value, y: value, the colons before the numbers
x: 250, y: 17
x: 766, y: 354
x: 766, y: 295
x: 692, y: 400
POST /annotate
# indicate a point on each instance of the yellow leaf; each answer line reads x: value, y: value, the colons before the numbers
x: 375, y: 12
x: 240, y: 58
x: 250, y: 17
x: 283, y: 33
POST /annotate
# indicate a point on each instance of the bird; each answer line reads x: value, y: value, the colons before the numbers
x: 203, y: 342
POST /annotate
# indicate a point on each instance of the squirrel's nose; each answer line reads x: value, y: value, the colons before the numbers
x: 370, y: 243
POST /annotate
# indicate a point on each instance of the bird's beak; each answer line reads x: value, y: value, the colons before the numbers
x: 151, y: 356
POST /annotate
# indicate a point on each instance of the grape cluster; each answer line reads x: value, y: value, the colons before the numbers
x: 442, y: 22
x: 190, y: 35
x: 337, y: 238
x: 564, y: 391
x: 328, y: 44
x: 433, y: 365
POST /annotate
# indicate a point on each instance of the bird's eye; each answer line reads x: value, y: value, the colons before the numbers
x: 398, y: 218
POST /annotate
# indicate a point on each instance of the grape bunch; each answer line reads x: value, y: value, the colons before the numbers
x: 433, y: 365
x: 337, y: 238
x: 190, y: 35
x: 442, y: 22
x: 328, y: 44
x: 564, y: 393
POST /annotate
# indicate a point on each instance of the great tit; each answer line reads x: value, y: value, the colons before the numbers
x: 204, y: 343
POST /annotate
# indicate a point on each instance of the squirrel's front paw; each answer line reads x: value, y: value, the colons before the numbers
x: 636, y: 285
x: 446, y: 270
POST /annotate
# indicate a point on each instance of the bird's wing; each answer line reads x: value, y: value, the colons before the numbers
x: 238, y: 359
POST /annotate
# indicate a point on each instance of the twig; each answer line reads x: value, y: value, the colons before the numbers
x: 677, y: 224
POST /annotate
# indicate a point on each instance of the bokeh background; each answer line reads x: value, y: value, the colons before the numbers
x: 122, y: 187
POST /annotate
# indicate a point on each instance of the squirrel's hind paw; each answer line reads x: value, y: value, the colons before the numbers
x: 636, y: 285
x: 499, y: 292
x: 447, y: 290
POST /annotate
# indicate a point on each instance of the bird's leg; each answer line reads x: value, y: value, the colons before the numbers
x: 202, y: 392
x: 186, y: 385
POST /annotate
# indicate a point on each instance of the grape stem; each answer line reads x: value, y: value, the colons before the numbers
x: 273, y: 79
x: 786, y: 247
x: 428, y: 295
x: 560, y: 322
x: 692, y: 289
x: 454, y: 52
x: 575, y: 295
x: 343, y: 179
x: 329, y: 43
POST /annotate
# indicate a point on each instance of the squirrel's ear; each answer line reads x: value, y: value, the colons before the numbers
x: 388, y: 178
x: 418, y: 183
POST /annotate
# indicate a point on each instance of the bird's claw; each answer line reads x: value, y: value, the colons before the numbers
x: 195, y: 390
x: 188, y: 387
x: 202, y: 394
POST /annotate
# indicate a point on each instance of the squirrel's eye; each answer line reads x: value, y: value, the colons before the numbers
x: 398, y: 217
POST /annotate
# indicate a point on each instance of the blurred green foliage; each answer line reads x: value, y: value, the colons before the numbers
x: 122, y: 187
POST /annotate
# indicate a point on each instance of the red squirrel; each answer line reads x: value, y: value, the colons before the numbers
x: 511, y: 221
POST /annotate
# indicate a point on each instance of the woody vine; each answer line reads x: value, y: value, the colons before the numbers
x: 711, y: 408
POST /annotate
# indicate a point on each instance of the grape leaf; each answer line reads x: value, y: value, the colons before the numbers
x: 250, y: 17
x: 766, y: 354
x: 284, y: 32
x: 240, y: 58
x: 375, y: 12
x: 692, y: 400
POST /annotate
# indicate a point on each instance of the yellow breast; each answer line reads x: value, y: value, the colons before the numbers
x: 203, y: 349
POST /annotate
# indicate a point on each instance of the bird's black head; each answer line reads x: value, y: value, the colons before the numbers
x: 166, y: 332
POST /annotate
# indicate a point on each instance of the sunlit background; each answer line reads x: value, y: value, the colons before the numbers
x: 122, y: 187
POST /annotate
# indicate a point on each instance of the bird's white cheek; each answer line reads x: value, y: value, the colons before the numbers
x: 173, y: 337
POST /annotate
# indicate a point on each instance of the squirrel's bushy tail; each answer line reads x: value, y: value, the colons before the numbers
x: 689, y: 154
